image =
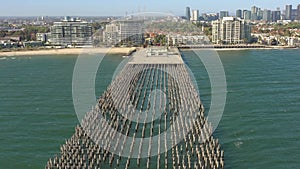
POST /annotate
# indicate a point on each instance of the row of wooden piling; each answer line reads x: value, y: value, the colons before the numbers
x: 98, y: 144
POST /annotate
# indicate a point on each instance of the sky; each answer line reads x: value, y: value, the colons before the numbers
x: 121, y: 7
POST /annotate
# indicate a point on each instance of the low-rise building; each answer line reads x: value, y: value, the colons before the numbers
x: 8, y: 44
x: 176, y: 40
x: 32, y: 44
x: 43, y: 37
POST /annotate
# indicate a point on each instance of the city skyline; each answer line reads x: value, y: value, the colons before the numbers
x: 121, y: 8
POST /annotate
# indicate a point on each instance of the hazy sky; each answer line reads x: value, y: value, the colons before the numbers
x: 120, y: 7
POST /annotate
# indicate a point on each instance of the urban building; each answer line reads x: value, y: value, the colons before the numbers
x: 131, y: 31
x: 210, y: 16
x: 260, y: 14
x: 247, y: 15
x: 288, y: 12
x: 223, y: 14
x: 195, y: 15
x: 243, y: 12
x: 176, y: 40
x: 230, y: 30
x: 8, y: 44
x: 254, y: 10
x: 111, y: 34
x: 43, y: 37
x: 254, y: 16
x: 238, y: 13
x: 267, y: 15
x: 294, y: 14
x: 276, y: 16
x: 124, y: 32
x: 188, y: 13
x: 32, y: 44
x: 71, y: 32
x: 298, y: 12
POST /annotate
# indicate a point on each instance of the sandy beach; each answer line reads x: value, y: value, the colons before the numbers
x: 117, y: 50
x: 69, y: 51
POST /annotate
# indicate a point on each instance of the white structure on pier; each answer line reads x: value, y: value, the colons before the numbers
x: 157, y: 56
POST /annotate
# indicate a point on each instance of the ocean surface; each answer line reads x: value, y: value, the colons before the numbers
x: 259, y: 129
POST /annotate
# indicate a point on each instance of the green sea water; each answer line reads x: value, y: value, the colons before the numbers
x: 259, y: 128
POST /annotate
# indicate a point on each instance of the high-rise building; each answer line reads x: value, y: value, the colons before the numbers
x: 238, y: 13
x: 288, y: 12
x: 254, y: 9
x: 254, y: 16
x: 247, y: 15
x: 276, y: 16
x: 223, y: 14
x: 254, y: 13
x: 130, y: 32
x: 111, y: 34
x: 195, y: 15
x: 210, y: 16
x: 71, y: 32
x: 188, y: 13
x: 267, y: 15
x: 294, y: 14
x: 260, y: 14
x: 298, y: 12
x: 243, y: 14
x: 230, y: 30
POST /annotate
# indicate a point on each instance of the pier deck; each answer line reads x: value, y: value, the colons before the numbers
x: 157, y: 55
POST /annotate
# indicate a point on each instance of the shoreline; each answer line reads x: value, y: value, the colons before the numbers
x: 115, y: 50
x: 69, y: 51
x: 241, y: 49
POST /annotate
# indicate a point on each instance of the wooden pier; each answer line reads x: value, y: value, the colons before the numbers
x: 134, y: 105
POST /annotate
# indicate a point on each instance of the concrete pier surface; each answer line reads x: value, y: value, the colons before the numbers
x: 150, y: 116
x: 157, y: 55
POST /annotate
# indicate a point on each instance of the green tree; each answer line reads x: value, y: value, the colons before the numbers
x: 160, y: 39
x: 31, y: 30
x: 2, y: 33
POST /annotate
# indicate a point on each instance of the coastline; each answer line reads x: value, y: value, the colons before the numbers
x: 114, y: 50
x: 241, y: 49
x: 69, y: 51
